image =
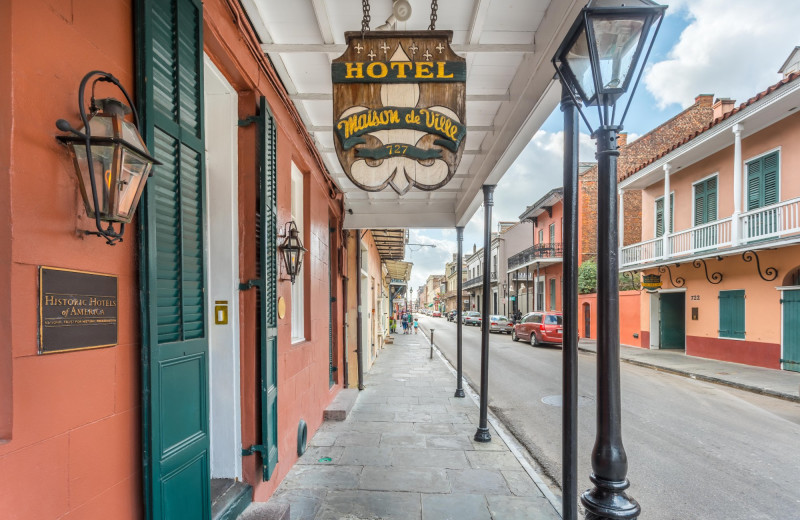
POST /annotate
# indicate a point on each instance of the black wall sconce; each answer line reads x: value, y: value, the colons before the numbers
x: 110, y: 158
x: 292, y: 249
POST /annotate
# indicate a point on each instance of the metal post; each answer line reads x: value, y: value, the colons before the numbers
x: 483, y: 435
x: 608, y: 500
x: 459, y: 310
x: 431, y: 344
x: 530, y: 286
x: 569, y: 298
x: 360, y: 318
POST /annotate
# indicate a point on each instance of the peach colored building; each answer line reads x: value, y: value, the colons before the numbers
x: 727, y: 244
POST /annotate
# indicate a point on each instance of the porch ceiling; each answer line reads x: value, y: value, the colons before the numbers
x: 508, y: 45
x: 391, y: 243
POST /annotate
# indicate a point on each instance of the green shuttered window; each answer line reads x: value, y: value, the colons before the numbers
x: 705, y: 201
x: 762, y: 181
x: 731, y: 314
x: 660, y: 215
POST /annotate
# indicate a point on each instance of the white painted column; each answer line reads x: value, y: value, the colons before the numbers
x: 737, y: 184
x: 667, y: 215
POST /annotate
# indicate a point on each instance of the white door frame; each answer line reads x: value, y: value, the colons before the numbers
x: 222, y: 255
x: 655, y: 321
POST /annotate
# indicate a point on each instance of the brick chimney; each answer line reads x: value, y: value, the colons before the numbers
x: 704, y: 100
x: 622, y: 139
x: 723, y: 106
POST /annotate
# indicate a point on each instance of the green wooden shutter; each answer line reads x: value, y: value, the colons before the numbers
x: 699, y: 203
x: 711, y: 200
x: 754, y: 185
x: 671, y: 212
x: 267, y: 291
x: 552, y: 294
x: 174, y: 336
x: 552, y: 233
x: 731, y: 314
x: 770, y: 179
x: 659, y: 217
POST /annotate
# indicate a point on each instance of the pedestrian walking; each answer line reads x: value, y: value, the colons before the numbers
x: 392, y: 324
x: 416, y: 324
x: 405, y: 323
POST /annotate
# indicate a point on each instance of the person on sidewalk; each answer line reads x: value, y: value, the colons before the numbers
x: 405, y: 323
x: 392, y: 324
x: 416, y: 324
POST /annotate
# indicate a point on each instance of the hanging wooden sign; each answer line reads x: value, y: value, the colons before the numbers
x: 399, y: 109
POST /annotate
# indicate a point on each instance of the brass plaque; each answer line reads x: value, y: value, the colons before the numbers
x: 77, y: 310
x: 221, y: 312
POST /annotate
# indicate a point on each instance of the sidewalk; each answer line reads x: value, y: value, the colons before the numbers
x: 775, y: 383
x: 406, y: 452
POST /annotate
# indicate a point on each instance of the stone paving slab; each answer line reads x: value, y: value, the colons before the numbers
x: 406, y: 451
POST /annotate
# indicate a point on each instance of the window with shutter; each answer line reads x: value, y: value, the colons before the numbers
x: 705, y: 211
x: 762, y: 181
x: 660, y: 215
x: 731, y: 314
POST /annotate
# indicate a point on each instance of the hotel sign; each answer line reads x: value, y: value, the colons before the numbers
x: 399, y: 109
x: 651, y: 282
x: 77, y: 310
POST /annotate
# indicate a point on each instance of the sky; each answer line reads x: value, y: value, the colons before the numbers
x: 729, y: 48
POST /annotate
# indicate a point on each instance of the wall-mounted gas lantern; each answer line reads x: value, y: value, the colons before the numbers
x: 110, y: 158
x: 292, y: 249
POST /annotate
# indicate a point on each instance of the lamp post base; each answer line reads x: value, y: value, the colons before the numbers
x: 608, y: 501
x: 483, y: 435
x: 459, y: 392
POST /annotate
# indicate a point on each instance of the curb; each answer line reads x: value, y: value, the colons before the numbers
x: 708, y: 379
x: 510, y: 441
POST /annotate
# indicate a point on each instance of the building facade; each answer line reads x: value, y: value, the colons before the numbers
x: 218, y: 357
x: 726, y: 245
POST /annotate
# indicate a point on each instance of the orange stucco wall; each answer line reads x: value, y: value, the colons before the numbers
x: 761, y: 345
x: 74, y: 448
x: 629, y: 309
x: 781, y: 135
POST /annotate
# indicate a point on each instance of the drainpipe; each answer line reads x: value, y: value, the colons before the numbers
x: 359, y: 332
x: 345, y: 373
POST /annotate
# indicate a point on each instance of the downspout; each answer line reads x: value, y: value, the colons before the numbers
x: 345, y: 372
x: 359, y: 333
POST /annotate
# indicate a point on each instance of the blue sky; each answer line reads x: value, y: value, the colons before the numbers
x: 729, y: 48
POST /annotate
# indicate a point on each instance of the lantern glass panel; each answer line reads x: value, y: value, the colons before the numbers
x: 103, y: 160
x: 616, y: 40
x: 580, y: 65
x: 132, y: 176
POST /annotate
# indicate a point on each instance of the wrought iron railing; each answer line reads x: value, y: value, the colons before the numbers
x: 534, y: 253
x: 776, y: 222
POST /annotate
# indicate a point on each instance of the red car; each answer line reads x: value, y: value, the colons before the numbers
x: 436, y: 314
x: 539, y: 328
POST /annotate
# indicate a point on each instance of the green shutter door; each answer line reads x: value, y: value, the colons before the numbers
x: 267, y: 292
x: 791, y: 330
x: 552, y: 294
x: 731, y: 314
x: 174, y: 340
x: 673, y: 320
x: 705, y: 211
x: 659, y: 217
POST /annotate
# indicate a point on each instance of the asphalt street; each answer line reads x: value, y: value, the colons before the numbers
x: 695, y: 450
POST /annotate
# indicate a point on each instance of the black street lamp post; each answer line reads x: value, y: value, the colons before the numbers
x: 597, y: 61
x: 482, y: 434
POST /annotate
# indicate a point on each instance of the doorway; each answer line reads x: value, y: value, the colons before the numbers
x: 672, y: 328
x: 222, y: 252
x: 790, y: 341
x: 587, y: 320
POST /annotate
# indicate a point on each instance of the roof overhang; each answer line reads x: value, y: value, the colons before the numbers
x: 391, y: 243
x: 399, y: 272
x: 511, y: 90
x: 767, y: 111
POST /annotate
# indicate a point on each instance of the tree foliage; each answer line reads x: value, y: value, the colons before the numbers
x: 587, y: 279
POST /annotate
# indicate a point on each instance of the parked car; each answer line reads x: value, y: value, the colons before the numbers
x: 471, y: 318
x: 436, y: 314
x: 451, y: 316
x: 539, y: 328
x: 500, y: 324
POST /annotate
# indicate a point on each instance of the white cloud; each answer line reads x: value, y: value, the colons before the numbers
x: 536, y: 171
x: 731, y: 48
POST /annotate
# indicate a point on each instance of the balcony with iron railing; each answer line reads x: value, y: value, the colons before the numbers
x: 550, y: 253
x: 761, y: 227
x: 474, y: 282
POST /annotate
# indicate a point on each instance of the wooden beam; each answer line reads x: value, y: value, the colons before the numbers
x: 321, y: 14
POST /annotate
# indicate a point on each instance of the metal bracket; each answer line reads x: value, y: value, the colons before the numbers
x: 748, y: 256
x: 247, y: 121
x: 715, y: 278
x: 678, y: 282
x: 249, y: 284
x: 255, y: 448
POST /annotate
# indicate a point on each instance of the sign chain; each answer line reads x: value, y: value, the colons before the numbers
x: 434, y: 8
x: 366, y: 18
